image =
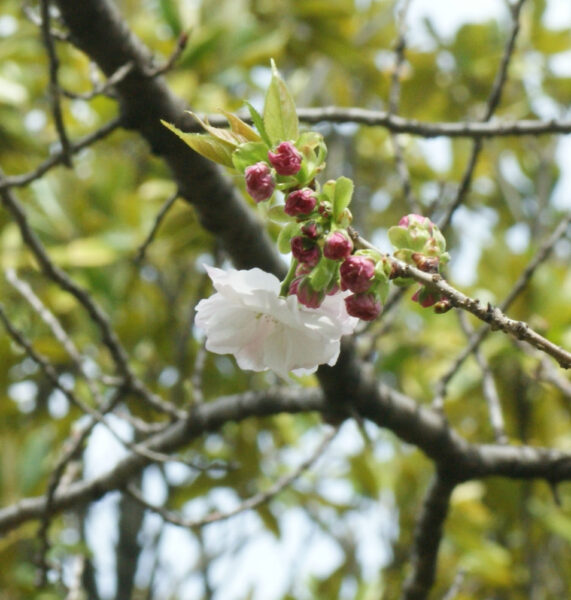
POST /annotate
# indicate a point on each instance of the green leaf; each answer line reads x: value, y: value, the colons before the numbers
x: 239, y: 128
x: 342, y: 197
x: 207, y: 146
x: 398, y: 236
x: 249, y: 154
x: 289, y: 231
x: 280, y: 116
x: 223, y: 135
x: 322, y: 275
x: 259, y: 124
x: 277, y: 214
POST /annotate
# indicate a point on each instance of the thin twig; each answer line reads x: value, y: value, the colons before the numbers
x: 105, y: 87
x: 96, y: 313
x: 157, y: 223
x: 170, y: 62
x: 394, y: 97
x: 488, y: 387
x: 56, y: 328
x: 476, y: 339
x: 54, y: 84
x: 14, y: 181
x: 491, y: 315
x: 249, y: 504
x: 454, y: 589
x: 491, y: 105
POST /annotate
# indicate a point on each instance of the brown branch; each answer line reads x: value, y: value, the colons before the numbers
x: 249, y: 504
x: 457, y: 459
x: 491, y: 315
x: 97, y: 28
x: 427, y: 537
x: 14, y: 181
x: 398, y: 124
x: 54, y: 84
x: 157, y: 223
x: 476, y: 339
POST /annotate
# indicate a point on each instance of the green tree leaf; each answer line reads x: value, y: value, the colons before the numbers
x: 280, y: 116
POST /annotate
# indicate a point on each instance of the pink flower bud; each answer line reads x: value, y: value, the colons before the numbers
x: 413, y: 218
x: 307, y: 295
x: 286, y: 160
x: 260, y: 183
x: 425, y: 297
x: 356, y: 273
x: 365, y: 306
x: 305, y: 250
x: 337, y: 246
x: 311, y: 229
x: 300, y: 202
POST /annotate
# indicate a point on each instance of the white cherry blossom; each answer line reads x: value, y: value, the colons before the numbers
x: 249, y: 319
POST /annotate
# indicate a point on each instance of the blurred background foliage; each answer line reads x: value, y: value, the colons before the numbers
x: 343, y: 530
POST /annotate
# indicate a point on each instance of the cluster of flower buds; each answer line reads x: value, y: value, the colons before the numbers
x: 315, y: 219
x: 419, y: 242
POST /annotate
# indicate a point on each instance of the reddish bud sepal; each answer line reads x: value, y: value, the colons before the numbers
x: 260, y: 183
x: 337, y: 246
x: 305, y: 250
x: 300, y: 202
x: 365, y: 306
x: 356, y: 273
x: 286, y: 160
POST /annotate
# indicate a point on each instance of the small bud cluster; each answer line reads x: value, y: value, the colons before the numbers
x: 419, y: 242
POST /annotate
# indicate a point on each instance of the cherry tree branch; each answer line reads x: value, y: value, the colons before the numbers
x: 427, y: 537
x: 398, y: 124
x: 54, y: 84
x: 251, y: 503
x: 457, y: 459
x: 95, y: 312
x: 14, y: 181
x: 491, y: 315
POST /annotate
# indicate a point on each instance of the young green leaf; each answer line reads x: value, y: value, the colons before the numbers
x: 285, y: 235
x: 342, y: 198
x: 207, y: 146
x: 241, y: 129
x: 249, y: 154
x: 259, y: 124
x: 280, y: 116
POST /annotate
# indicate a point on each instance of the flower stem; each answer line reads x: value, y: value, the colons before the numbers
x: 288, y: 278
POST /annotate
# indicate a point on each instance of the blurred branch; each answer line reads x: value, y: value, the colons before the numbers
x: 97, y: 315
x: 427, y: 537
x: 491, y: 105
x: 13, y: 181
x: 397, y: 124
x: 394, y: 97
x: 57, y: 330
x: 54, y: 84
x: 158, y: 220
x: 414, y: 424
x: 488, y: 387
x: 249, y: 504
